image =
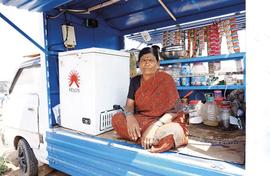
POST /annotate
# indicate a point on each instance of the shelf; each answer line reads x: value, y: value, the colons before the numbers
x: 213, y: 74
x: 224, y: 57
x: 211, y: 87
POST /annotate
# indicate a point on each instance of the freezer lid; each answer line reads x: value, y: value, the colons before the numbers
x: 94, y: 50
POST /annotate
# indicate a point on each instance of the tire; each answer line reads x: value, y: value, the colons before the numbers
x: 26, y: 158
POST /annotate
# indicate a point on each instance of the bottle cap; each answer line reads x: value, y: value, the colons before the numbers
x: 225, y: 104
x: 193, y: 102
x: 210, y: 99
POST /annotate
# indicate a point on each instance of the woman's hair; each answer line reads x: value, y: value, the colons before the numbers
x: 153, y: 50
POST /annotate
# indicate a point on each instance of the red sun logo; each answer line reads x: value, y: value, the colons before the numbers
x: 74, y: 78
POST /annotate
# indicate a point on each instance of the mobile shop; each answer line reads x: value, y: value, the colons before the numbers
x: 64, y: 118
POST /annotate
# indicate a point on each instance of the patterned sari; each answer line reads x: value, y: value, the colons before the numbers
x: 153, y: 99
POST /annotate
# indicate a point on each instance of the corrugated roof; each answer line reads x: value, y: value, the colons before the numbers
x: 129, y: 16
x: 156, y: 34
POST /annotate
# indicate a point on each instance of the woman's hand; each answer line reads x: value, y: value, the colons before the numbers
x: 133, y: 128
x: 148, y: 136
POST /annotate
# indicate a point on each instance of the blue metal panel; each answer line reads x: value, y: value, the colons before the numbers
x: 150, y: 23
x: 103, y: 36
x: 15, y: 3
x: 138, y: 15
x: 45, y: 6
x: 78, y: 156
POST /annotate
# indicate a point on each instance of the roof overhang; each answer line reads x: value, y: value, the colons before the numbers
x: 129, y: 16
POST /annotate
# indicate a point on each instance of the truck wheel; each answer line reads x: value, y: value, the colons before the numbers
x: 27, y: 160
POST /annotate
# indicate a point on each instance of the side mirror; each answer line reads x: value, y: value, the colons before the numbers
x: 3, y: 99
x: 4, y: 87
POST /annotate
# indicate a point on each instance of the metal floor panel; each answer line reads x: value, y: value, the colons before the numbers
x: 80, y: 154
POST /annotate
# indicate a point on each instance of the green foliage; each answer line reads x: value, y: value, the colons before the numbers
x: 3, y: 167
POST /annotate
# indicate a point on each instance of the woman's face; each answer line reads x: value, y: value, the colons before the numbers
x: 148, y: 64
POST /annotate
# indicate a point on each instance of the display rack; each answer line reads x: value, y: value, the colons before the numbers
x: 224, y: 57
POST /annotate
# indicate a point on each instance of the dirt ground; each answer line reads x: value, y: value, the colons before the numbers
x: 13, y: 167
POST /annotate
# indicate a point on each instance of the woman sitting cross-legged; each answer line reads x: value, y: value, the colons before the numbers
x: 149, y: 117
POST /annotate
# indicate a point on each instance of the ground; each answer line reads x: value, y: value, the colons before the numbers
x: 13, y: 170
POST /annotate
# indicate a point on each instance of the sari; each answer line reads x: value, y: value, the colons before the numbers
x: 155, y: 97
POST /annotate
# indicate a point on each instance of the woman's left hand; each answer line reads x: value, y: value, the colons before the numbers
x: 148, y: 137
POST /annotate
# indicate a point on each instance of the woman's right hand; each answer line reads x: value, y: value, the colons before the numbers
x: 133, y: 128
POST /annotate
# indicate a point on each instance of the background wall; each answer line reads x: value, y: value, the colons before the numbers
x: 13, y: 45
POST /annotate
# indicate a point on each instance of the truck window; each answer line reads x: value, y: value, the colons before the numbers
x: 26, y: 80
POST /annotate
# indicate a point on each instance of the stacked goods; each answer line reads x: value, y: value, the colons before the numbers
x: 176, y: 38
x: 196, y: 38
x: 198, y: 74
x: 230, y: 30
x: 235, y: 42
x: 183, y: 40
x: 165, y: 41
x: 201, y: 40
x: 234, y: 35
x: 214, y: 42
x: 214, y: 46
x: 189, y: 52
x: 173, y: 38
x: 194, y: 43
x: 221, y: 30
x: 173, y: 44
x: 132, y: 65
x: 227, y: 31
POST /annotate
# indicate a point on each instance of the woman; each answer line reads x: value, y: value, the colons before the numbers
x: 149, y: 118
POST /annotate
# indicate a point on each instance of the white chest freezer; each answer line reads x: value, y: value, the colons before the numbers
x: 91, y: 82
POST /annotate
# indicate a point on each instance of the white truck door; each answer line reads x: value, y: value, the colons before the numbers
x: 21, y: 116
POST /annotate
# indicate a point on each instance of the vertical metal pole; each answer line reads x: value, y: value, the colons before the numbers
x: 245, y: 87
x: 45, y: 23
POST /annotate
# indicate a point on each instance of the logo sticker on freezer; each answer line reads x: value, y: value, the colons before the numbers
x: 74, y: 81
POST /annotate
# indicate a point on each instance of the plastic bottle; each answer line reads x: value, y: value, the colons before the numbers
x: 225, y: 113
x: 217, y: 94
x: 185, y: 71
x: 198, y: 69
x: 176, y: 74
x: 168, y: 69
x: 194, y: 112
x: 210, y: 112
